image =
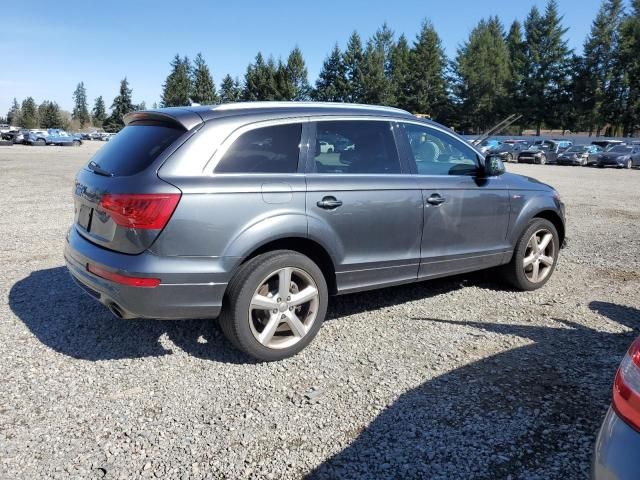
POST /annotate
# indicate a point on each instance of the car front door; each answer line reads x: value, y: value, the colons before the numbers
x: 466, y: 214
x: 363, y: 203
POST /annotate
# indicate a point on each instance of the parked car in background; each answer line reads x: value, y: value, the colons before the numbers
x: 615, y: 455
x: 544, y: 151
x: 562, y: 144
x: 489, y: 144
x: 56, y: 136
x: 583, y: 155
x: 607, y: 144
x: 509, y: 149
x: 14, y: 136
x: 294, y: 224
x: 620, y: 156
x: 35, y: 137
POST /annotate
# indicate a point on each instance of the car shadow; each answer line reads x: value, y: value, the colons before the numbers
x: 67, y: 320
x: 529, y: 412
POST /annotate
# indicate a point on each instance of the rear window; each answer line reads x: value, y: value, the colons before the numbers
x: 273, y: 149
x: 135, y: 147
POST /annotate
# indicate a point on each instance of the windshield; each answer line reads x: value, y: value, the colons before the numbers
x: 621, y: 149
x: 578, y: 148
x: 537, y: 148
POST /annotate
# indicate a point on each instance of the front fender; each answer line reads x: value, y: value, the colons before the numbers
x: 526, y: 205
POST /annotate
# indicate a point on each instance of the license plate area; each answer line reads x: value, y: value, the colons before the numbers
x: 85, y: 214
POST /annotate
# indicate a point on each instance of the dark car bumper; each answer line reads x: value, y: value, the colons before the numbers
x: 615, y: 456
x: 189, y: 288
x: 570, y: 161
x: 528, y: 159
x: 611, y: 163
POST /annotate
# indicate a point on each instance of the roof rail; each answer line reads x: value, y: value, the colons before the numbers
x: 250, y: 105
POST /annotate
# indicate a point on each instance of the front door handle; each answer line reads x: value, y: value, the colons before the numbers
x: 329, y: 203
x: 435, y: 199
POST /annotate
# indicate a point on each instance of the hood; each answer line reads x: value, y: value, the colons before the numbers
x: 522, y: 182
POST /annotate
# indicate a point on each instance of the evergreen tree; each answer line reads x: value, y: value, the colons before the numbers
x: 204, y: 90
x: 80, y: 110
x: 600, y: 49
x: 141, y: 106
x: 483, y: 73
x: 629, y: 62
x: 13, y: 116
x: 547, y: 70
x: 177, y: 87
x: 230, y: 90
x: 49, y: 114
x: 331, y: 85
x: 401, y: 73
x: 296, y: 77
x: 99, y: 112
x: 260, y: 80
x: 517, y: 67
x: 122, y: 105
x: 352, y: 59
x: 376, y: 87
x: 29, y: 116
x: 427, y: 92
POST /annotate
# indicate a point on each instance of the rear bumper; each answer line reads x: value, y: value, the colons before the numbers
x: 615, y: 456
x: 191, y: 287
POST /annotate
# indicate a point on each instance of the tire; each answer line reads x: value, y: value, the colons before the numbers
x: 509, y: 157
x: 40, y: 142
x: 330, y: 150
x: 543, y: 160
x: 627, y: 164
x: 583, y: 162
x: 259, y: 278
x: 515, y: 271
x: 75, y: 143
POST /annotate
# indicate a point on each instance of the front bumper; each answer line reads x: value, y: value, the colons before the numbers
x: 191, y: 287
x: 615, y: 456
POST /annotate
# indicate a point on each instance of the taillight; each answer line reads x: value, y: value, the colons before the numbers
x: 626, y: 387
x: 144, y: 282
x: 144, y: 210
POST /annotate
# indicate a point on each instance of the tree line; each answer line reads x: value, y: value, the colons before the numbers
x: 527, y: 69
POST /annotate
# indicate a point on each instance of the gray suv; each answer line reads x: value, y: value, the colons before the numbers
x: 242, y: 212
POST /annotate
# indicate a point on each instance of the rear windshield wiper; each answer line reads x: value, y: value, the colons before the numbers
x: 99, y: 170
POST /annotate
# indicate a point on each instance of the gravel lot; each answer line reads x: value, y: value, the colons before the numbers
x: 445, y: 379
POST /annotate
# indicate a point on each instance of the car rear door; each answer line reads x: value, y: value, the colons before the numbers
x: 466, y: 215
x: 363, y: 202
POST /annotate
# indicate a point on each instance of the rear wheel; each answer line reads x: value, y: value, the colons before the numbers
x: 535, y: 256
x: 275, y: 305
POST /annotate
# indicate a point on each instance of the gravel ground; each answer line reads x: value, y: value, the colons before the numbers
x: 447, y: 379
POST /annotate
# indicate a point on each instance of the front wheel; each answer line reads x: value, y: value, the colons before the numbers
x: 627, y: 164
x: 274, y: 305
x: 509, y: 157
x: 543, y: 160
x: 40, y: 142
x: 535, y: 256
x: 76, y: 143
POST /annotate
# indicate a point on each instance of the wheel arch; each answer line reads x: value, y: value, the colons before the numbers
x: 554, y: 218
x: 305, y: 246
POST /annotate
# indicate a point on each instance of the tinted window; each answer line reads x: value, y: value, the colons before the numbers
x: 264, y: 150
x: 135, y: 147
x: 355, y: 147
x: 437, y: 153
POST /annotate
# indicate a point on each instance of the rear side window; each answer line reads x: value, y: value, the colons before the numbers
x: 274, y: 149
x: 135, y: 147
x: 355, y: 147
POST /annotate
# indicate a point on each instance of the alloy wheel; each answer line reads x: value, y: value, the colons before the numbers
x: 283, y: 308
x: 539, y: 256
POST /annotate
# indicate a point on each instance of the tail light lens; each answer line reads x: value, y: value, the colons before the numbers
x: 143, y: 211
x: 626, y: 387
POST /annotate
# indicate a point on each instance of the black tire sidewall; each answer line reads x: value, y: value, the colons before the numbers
x: 241, y: 292
x: 517, y: 274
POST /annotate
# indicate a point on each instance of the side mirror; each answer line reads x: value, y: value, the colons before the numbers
x: 493, y: 166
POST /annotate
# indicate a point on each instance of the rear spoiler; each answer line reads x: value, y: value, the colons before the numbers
x: 182, y: 117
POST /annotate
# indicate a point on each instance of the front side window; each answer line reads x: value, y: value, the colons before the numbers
x: 355, y: 147
x: 274, y: 149
x: 436, y: 153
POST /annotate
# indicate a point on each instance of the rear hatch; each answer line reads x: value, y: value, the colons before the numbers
x: 120, y: 202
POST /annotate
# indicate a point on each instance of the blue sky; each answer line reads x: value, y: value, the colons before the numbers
x: 49, y: 47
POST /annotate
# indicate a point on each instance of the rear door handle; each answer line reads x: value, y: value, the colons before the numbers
x: 435, y: 199
x: 329, y: 203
